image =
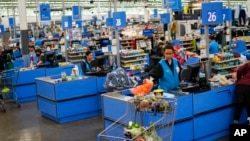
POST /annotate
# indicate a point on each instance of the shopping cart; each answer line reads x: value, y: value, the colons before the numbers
x: 145, y: 120
x: 7, y: 89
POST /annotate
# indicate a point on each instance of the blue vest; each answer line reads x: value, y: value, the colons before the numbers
x: 88, y: 68
x: 169, y: 80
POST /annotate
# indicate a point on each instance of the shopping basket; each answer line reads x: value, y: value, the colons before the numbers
x: 146, y: 119
x: 7, y: 89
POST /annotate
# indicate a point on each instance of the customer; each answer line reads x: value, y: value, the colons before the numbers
x: 39, y: 56
x: 39, y: 41
x: 213, y: 45
x: 30, y: 59
x: 86, y: 64
x: 242, y: 90
x: 2, y: 59
x: 167, y: 71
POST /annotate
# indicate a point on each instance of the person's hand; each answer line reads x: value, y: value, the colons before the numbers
x: 98, y: 69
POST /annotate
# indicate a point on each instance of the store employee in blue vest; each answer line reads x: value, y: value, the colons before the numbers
x: 213, y: 45
x: 86, y: 64
x: 167, y: 71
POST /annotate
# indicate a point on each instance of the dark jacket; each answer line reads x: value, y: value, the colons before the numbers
x: 2, y: 61
x: 243, y: 75
x: 86, y: 67
x: 158, y: 71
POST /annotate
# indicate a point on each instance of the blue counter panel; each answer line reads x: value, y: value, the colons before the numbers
x: 183, y: 131
x: 26, y: 93
x: 213, y: 122
x: 215, y: 98
x: 66, y: 90
x: 45, y: 89
x: 69, y: 110
x: 100, y: 84
x: 46, y: 106
x: 75, y: 88
x: 28, y: 76
x: 114, y: 109
x: 184, y: 107
x: 214, y: 136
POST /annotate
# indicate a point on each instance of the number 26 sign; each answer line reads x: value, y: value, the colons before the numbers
x: 212, y: 13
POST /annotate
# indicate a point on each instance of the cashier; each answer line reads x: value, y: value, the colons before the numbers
x: 242, y: 90
x: 213, y: 45
x: 167, y: 71
x: 86, y: 64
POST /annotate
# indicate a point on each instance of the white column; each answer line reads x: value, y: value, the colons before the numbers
x: 22, y: 14
x: 23, y: 26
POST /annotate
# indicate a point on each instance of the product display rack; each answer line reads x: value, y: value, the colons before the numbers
x: 76, y: 56
x: 126, y: 43
x: 187, y: 44
x: 133, y: 59
x: 226, y: 67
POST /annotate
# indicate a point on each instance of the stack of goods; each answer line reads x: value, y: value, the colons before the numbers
x: 139, y: 133
x: 133, y: 59
x: 225, y: 63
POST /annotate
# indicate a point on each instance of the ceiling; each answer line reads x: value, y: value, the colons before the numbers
x: 10, y: 6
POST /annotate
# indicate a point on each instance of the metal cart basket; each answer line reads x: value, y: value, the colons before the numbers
x: 146, y: 119
x: 7, y: 89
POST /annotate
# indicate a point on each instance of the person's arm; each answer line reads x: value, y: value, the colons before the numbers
x: 157, y: 72
x: 179, y: 65
x: 241, y: 71
x: 84, y: 67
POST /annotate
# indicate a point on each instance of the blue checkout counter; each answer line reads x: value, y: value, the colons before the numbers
x: 202, y: 116
x: 24, y: 83
x: 69, y: 100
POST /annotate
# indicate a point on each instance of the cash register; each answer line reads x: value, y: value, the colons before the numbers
x: 100, y: 61
x: 194, y: 83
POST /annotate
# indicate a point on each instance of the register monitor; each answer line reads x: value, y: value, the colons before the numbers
x: 191, y: 73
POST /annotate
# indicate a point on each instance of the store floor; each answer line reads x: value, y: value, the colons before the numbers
x: 27, y: 124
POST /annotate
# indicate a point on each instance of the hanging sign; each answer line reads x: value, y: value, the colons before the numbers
x: 148, y: 32
x: 66, y: 22
x: 109, y: 14
x: 119, y: 19
x: 78, y: 24
x: 212, y: 13
x: 77, y: 12
x: 109, y: 21
x: 12, y: 22
x: 165, y: 18
x: 227, y: 14
x: 172, y: 4
x: 155, y: 13
x: 1, y: 29
x: 44, y: 11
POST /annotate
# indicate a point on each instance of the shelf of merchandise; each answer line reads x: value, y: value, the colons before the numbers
x: 129, y: 61
x: 126, y: 43
x: 228, y: 72
x: 230, y: 67
x: 129, y: 66
x: 76, y: 57
x: 138, y: 55
x: 187, y: 44
x: 225, y: 61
